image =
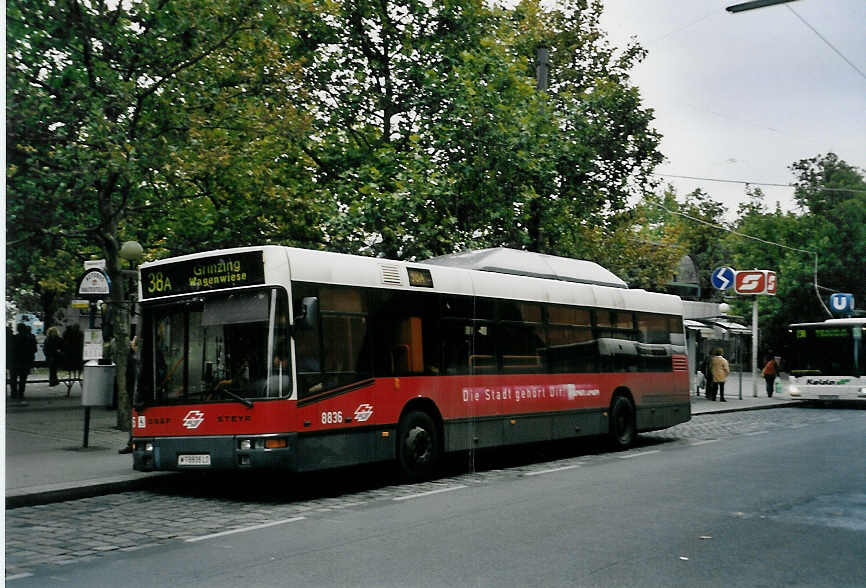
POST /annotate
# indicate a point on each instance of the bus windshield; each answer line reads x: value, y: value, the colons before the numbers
x: 825, y: 351
x: 217, y: 348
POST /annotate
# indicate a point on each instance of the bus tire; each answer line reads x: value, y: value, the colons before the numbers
x: 418, y: 445
x: 623, y: 428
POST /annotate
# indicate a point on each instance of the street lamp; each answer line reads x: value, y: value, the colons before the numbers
x: 131, y: 251
x: 743, y: 6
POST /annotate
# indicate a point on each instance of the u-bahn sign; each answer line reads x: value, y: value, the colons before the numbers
x: 842, y: 303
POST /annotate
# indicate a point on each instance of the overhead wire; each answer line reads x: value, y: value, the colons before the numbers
x: 828, y: 43
x: 754, y: 183
x: 752, y: 237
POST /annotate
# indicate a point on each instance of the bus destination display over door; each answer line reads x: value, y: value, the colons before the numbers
x: 201, y: 275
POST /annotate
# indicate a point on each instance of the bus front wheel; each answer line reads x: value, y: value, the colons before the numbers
x: 418, y: 448
x: 623, y: 429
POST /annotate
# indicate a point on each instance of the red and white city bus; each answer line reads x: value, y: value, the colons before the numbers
x: 277, y: 357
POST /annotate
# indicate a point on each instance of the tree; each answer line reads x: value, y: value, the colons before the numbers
x: 832, y: 229
x: 122, y: 115
x: 696, y: 225
x: 429, y: 136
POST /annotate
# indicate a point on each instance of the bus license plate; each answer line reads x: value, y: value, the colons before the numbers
x: 197, y: 459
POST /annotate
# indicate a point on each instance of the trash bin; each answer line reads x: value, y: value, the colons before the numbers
x: 98, y: 388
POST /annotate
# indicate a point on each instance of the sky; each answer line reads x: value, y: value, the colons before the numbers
x: 743, y: 96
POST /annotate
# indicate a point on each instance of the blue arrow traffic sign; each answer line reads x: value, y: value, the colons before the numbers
x: 722, y: 278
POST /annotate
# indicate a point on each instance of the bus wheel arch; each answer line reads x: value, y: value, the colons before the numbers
x: 419, y: 439
x: 622, y: 430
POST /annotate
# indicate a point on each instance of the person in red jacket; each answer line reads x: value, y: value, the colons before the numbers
x: 770, y: 371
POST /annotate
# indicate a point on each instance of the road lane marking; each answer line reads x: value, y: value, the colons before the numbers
x: 755, y: 433
x: 430, y: 493
x: 641, y: 454
x: 704, y: 442
x: 245, y: 529
x: 552, y: 470
x: 18, y: 576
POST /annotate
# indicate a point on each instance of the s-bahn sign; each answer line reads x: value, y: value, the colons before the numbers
x: 753, y: 282
x: 745, y: 282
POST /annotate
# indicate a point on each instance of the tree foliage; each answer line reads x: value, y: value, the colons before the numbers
x: 831, y: 230
x: 152, y: 120
x: 402, y: 128
x: 429, y: 136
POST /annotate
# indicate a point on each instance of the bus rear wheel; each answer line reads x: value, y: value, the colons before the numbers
x: 418, y: 448
x: 623, y: 429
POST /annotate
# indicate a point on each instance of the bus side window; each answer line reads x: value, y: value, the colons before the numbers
x: 521, y: 337
x: 405, y: 327
x: 571, y: 347
x: 308, y: 345
x: 407, y: 348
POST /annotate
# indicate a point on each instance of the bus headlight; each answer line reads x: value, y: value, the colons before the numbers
x: 794, y: 390
x: 861, y: 393
x: 246, y: 445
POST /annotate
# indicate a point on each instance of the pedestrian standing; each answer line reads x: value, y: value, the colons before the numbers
x: 10, y: 336
x: 770, y: 371
x: 720, y: 370
x: 710, y: 390
x: 73, y: 349
x: 53, y: 348
x: 23, y: 353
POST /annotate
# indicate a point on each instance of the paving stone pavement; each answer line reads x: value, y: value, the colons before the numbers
x: 85, y: 529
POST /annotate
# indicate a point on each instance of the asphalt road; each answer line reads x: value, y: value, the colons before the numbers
x: 774, y: 498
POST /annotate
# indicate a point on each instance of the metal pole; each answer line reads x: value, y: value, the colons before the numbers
x: 86, y: 425
x: 755, y: 347
x: 92, y: 309
x: 740, y: 361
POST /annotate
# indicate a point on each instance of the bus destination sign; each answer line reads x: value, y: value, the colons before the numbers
x: 201, y: 275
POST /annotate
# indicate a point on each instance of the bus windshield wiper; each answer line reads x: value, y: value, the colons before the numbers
x: 245, y: 401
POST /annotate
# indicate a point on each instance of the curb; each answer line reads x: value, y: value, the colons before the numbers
x: 39, y: 495
x: 786, y: 404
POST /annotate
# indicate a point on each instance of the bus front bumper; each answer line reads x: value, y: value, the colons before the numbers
x: 275, y: 451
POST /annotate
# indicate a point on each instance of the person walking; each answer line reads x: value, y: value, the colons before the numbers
x: 53, y: 348
x: 23, y: 348
x: 720, y: 369
x: 770, y: 371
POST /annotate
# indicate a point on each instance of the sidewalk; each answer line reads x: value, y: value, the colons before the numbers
x: 45, y: 457
x: 733, y: 403
x: 45, y: 460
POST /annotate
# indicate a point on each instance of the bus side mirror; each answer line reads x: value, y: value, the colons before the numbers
x: 308, y: 317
